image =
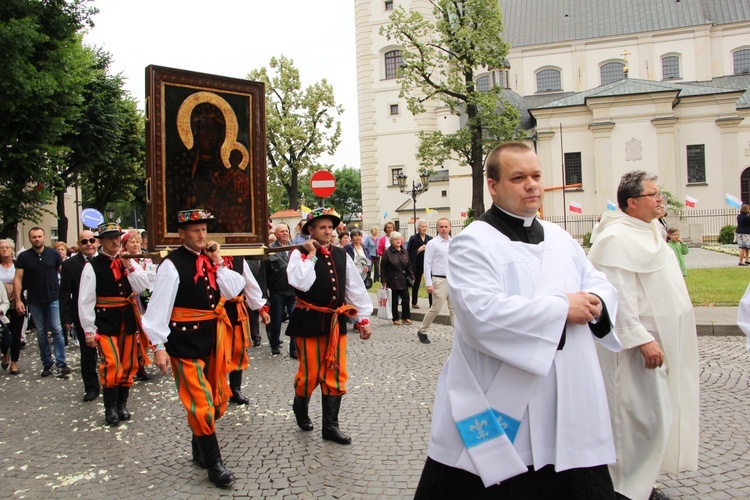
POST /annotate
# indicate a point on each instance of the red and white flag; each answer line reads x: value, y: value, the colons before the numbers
x: 575, y: 207
x: 690, y: 201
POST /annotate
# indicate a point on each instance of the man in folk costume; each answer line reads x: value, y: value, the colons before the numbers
x: 520, y: 408
x: 237, y: 311
x: 187, y: 321
x: 110, y: 319
x: 653, y: 383
x: 329, y: 289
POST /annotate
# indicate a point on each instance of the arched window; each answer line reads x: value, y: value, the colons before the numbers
x: 670, y: 67
x: 745, y: 184
x: 548, y: 80
x: 483, y: 83
x: 611, y: 72
x: 742, y: 62
x: 393, y: 61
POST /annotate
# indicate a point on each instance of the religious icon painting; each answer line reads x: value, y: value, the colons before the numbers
x: 206, y: 147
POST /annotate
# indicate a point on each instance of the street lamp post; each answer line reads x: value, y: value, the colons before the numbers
x: 416, y: 190
x: 110, y: 214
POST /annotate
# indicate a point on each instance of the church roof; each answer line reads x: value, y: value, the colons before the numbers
x: 633, y: 86
x: 534, y: 22
x: 737, y: 82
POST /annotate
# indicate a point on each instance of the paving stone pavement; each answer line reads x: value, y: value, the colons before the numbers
x: 53, y: 444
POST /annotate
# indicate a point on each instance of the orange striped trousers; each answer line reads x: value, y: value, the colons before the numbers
x: 195, y: 391
x: 119, y: 359
x: 240, y: 341
x: 314, y: 370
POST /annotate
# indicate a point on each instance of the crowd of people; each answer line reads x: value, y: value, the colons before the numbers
x: 570, y: 375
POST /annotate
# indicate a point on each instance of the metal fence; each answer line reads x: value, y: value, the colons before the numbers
x: 579, y: 225
x: 712, y: 220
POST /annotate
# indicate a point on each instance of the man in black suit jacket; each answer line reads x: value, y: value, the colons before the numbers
x: 70, y: 281
x: 259, y: 273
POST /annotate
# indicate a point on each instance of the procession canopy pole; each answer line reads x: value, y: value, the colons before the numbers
x: 252, y: 253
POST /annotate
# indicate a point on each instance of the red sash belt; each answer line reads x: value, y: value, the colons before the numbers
x: 118, y: 302
x: 333, y: 336
x: 217, y: 370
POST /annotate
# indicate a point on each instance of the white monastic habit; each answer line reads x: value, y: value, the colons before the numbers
x: 743, y: 316
x: 654, y: 412
x: 508, y: 397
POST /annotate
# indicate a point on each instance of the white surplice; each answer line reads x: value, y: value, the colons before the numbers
x: 743, y: 316
x: 510, y: 312
x: 654, y: 412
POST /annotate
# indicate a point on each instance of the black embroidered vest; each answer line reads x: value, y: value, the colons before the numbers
x: 193, y: 339
x: 328, y: 290
x: 238, y: 264
x: 109, y: 321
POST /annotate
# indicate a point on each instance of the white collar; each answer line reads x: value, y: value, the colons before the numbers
x: 527, y: 221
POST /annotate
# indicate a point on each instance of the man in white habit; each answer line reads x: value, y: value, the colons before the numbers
x: 652, y: 384
x: 520, y: 409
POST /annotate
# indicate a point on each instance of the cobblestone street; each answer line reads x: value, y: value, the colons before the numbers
x: 53, y: 444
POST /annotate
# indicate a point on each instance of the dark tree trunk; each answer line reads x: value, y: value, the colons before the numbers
x: 294, y: 191
x: 477, y: 163
x: 62, y: 219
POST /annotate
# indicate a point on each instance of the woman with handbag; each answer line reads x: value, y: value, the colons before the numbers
x: 396, y: 273
x: 11, y: 347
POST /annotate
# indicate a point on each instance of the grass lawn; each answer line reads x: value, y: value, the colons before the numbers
x: 722, y: 286
x: 717, y: 286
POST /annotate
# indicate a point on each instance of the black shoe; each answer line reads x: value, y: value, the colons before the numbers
x: 657, y: 495
x: 47, y: 371
x: 293, y: 355
x: 90, y: 395
x: 109, y: 394
x: 211, y: 456
x: 239, y: 398
x: 275, y: 351
x: 423, y: 338
x: 122, y: 401
x: 300, y: 413
x: 331, y: 431
x: 256, y: 343
x: 197, y: 457
x: 142, y: 375
x: 64, y: 372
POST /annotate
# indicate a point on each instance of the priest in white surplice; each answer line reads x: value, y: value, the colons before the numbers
x: 521, y: 401
x: 652, y: 384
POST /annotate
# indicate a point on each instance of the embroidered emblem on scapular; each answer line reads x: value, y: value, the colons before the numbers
x: 485, y: 426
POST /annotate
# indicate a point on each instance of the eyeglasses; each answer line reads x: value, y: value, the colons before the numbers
x: 653, y: 196
x: 90, y: 240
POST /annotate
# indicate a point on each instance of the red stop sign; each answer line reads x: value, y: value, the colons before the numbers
x: 323, y: 183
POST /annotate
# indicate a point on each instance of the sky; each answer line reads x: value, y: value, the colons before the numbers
x: 233, y: 37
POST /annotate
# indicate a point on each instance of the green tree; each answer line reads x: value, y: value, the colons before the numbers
x: 104, y: 142
x: 119, y: 178
x: 301, y: 126
x: 44, y: 71
x: 442, y: 56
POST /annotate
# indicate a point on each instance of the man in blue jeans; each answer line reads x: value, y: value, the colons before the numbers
x: 281, y: 296
x: 37, y: 272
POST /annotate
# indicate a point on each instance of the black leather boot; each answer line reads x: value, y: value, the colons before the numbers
x: 331, y: 432
x: 217, y: 472
x: 300, y: 412
x: 122, y: 401
x: 197, y: 457
x: 109, y: 395
x: 235, y: 384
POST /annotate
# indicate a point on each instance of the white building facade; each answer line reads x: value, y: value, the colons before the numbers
x: 680, y: 113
